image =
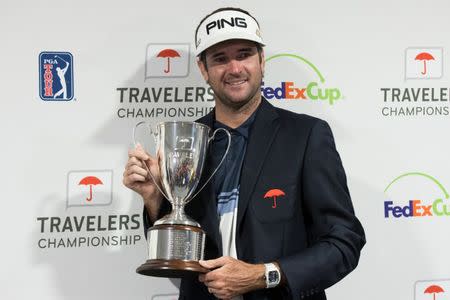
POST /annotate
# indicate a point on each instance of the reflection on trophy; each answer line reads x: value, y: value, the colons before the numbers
x: 176, y: 242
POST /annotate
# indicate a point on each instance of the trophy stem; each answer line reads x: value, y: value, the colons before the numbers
x: 177, y: 217
x: 178, y: 213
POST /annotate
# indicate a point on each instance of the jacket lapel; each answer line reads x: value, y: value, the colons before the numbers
x: 262, y: 134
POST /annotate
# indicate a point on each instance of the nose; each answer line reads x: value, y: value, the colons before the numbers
x: 234, y: 66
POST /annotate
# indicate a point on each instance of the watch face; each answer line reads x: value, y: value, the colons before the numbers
x: 273, y: 276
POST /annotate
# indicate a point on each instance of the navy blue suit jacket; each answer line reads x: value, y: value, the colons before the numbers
x: 312, y: 233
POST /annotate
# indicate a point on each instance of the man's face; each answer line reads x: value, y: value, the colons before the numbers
x: 234, y: 70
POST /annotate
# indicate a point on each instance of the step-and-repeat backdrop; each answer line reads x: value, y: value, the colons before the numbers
x: 77, y: 75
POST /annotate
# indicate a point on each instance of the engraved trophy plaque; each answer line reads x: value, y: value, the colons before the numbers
x: 176, y: 242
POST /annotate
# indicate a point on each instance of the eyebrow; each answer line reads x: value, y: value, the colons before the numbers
x: 246, y: 49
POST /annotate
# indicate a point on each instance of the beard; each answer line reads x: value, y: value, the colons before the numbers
x: 237, y: 104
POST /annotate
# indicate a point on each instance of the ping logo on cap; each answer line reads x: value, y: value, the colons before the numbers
x: 226, y: 25
x: 221, y: 23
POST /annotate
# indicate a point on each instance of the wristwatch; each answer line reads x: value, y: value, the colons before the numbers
x: 272, y: 276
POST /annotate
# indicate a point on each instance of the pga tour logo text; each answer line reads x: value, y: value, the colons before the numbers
x: 56, y: 76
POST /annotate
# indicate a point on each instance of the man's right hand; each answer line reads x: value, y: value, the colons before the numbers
x: 136, y: 177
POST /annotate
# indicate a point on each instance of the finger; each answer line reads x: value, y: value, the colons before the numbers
x: 133, y: 161
x: 150, y: 165
x: 221, y: 295
x: 137, y: 177
x: 133, y: 178
x: 139, y: 153
x: 215, y: 284
x: 135, y: 170
x: 141, y: 149
x: 130, y: 176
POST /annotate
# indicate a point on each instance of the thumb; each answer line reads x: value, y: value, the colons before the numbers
x: 213, y: 263
x: 142, y: 153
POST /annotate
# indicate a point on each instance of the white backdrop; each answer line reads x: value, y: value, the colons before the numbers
x: 391, y: 119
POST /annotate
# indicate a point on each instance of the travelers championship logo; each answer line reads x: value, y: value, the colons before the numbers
x: 421, y: 97
x: 311, y: 88
x: 414, y: 195
x: 167, y: 60
x: 86, y: 221
x: 56, y: 76
x: 423, y: 63
x: 165, y: 95
x: 89, y: 188
x: 432, y: 290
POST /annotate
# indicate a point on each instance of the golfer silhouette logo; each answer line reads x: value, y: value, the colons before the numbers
x: 56, y: 76
x: 62, y: 80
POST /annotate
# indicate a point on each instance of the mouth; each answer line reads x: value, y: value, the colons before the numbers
x: 236, y: 82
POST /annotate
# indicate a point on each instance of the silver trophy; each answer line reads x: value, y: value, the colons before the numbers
x: 176, y: 242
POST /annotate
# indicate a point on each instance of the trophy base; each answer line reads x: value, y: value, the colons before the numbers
x: 171, y: 268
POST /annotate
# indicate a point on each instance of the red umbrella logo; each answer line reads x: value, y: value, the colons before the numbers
x: 425, y: 56
x: 433, y: 289
x: 274, y: 193
x: 90, y: 180
x: 168, y: 53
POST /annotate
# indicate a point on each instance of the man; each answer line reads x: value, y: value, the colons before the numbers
x: 255, y: 249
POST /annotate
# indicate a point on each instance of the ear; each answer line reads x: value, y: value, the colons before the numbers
x: 203, y: 70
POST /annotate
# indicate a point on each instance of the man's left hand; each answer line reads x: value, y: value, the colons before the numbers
x: 230, y: 277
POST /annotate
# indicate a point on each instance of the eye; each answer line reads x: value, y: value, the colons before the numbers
x: 220, y: 59
x: 244, y: 55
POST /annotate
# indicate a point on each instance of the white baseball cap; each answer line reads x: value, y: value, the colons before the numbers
x: 226, y: 25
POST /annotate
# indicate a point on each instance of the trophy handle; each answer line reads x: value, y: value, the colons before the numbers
x: 143, y: 162
x: 221, y: 161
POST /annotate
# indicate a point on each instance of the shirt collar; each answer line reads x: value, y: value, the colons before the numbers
x: 243, y: 129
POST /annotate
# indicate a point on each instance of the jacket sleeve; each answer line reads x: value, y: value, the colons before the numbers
x: 335, y: 236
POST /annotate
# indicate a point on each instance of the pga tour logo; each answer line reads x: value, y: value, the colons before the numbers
x: 89, y: 188
x: 167, y: 60
x: 56, y: 76
x: 432, y: 290
x: 423, y: 63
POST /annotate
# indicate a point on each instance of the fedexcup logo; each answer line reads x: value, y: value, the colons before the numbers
x: 315, y: 90
x: 416, y: 194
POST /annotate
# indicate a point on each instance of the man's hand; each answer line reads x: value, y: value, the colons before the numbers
x: 231, y: 277
x: 136, y: 177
